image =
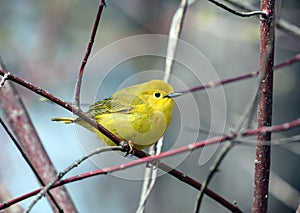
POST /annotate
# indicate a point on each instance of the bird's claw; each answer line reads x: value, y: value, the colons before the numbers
x: 128, y: 147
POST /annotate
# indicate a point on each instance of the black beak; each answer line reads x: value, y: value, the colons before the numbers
x: 173, y: 95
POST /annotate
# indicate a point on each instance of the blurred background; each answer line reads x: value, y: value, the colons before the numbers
x: 44, y: 43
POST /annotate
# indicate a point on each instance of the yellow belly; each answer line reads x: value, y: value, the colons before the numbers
x: 143, y: 130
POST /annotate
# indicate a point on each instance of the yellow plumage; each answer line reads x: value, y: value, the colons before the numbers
x: 140, y: 113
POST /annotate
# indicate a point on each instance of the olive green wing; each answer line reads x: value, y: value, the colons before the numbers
x: 118, y: 103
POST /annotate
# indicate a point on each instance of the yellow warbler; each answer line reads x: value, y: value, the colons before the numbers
x: 140, y: 114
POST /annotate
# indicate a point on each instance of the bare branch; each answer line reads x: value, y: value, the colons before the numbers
x: 264, y: 112
x: 242, y: 14
x: 88, y: 52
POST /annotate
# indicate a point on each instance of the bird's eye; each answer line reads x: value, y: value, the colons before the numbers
x: 157, y: 95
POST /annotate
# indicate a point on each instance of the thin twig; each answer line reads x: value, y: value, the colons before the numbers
x: 102, y: 4
x: 242, y: 14
x: 68, y: 169
x: 280, y: 24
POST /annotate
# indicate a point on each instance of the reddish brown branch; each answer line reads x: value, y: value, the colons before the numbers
x: 264, y: 112
x: 88, y: 52
x: 238, y: 13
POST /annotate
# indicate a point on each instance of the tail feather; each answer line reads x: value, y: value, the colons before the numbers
x: 64, y: 120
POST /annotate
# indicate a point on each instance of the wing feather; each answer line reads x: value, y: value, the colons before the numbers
x: 118, y: 103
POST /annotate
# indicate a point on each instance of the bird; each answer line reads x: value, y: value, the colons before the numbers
x: 139, y: 114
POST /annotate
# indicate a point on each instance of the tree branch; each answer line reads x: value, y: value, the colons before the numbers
x: 88, y: 52
x: 242, y: 14
x: 264, y: 113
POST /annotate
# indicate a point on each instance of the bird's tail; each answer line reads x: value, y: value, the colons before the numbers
x: 64, y: 120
